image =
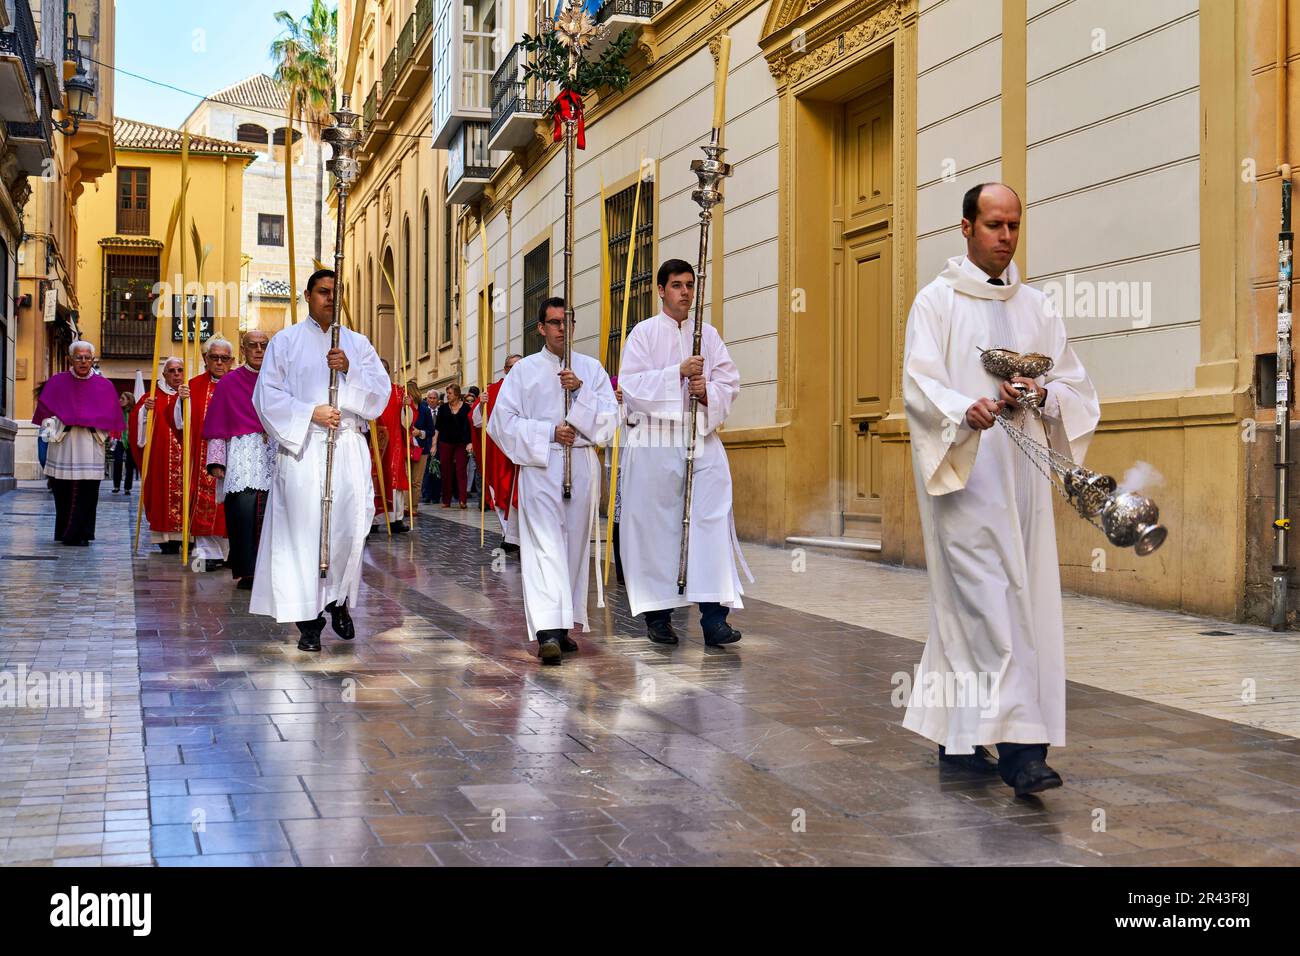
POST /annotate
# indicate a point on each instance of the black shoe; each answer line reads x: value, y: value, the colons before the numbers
x: 549, y: 650
x: 722, y: 634
x: 399, y: 527
x: 661, y: 632
x: 116, y: 492
x: 245, y: 584
x: 309, y: 641
x: 341, y: 621
x: 981, y: 761
x: 170, y: 547
x: 1035, y: 777
x: 567, y: 644
x: 509, y: 548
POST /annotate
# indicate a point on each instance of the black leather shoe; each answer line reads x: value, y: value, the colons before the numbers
x: 981, y: 761
x: 170, y: 547
x: 1035, y: 777
x: 661, y: 632
x: 341, y: 621
x: 245, y: 584
x: 567, y: 644
x: 722, y: 634
x: 310, y: 641
x: 400, y: 527
x: 549, y: 651
x: 509, y: 548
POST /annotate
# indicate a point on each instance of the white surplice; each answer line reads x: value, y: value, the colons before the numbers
x: 653, y: 470
x: 993, y: 669
x: 295, y: 379
x: 554, y: 534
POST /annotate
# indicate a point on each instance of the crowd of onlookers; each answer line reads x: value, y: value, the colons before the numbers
x: 442, y: 430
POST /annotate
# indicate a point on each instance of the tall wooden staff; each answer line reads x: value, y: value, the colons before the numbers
x: 622, y: 338
x: 185, y: 360
x: 405, y: 414
x: 710, y: 171
x: 157, y: 357
x: 343, y: 138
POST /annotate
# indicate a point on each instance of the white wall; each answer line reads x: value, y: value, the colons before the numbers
x: 666, y: 122
x: 1113, y: 179
x: 958, y: 120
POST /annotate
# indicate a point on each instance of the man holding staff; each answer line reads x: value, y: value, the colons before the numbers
x: 658, y: 377
x: 530, y: 425
x: 154, y: 422
x: 292, y: 400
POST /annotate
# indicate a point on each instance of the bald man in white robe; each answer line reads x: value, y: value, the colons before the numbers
x: 993, y: 669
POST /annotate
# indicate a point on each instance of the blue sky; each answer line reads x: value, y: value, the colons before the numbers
x: 200, y: 47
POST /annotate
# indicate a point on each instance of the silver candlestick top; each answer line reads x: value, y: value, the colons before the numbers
x: 344, y: 137
x: 710, y: 171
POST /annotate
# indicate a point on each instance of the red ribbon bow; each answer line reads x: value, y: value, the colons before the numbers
x: 568, y: 105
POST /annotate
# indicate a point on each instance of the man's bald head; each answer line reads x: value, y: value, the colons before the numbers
x: 991, y: 224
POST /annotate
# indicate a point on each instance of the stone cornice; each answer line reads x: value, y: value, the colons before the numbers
x: 812, y: 40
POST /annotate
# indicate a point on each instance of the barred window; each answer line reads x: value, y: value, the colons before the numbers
x: 537, y: 289
x: 618, y: 210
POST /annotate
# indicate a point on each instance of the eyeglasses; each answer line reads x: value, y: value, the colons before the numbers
x: 255, y: 347
x: 556, y: 323
x: 221, y: 358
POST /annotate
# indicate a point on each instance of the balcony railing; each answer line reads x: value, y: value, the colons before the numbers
x: 20, y: 40
x: 423, y: 17
x: 641, y: 9
x: 133, y: 222
x: 514, y: 96
x: 406, y: 42
x: 390, y: 73
x: 368, y: 111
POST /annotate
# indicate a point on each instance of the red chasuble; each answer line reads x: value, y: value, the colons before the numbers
x: 206, y: 516
x: 397, y: 452
x: 501, y: 471
x: 162, y: 489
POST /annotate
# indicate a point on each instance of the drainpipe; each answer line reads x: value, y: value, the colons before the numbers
x: 1282, y: 465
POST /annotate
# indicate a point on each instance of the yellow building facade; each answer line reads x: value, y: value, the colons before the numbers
x: 397, y: 238
x: 854, y: 127
x: 64, y: 158
x: 124, y: 228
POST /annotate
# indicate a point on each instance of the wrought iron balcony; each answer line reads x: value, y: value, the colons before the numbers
x: 620, y: 15
x: 469, y: 162
x: 368, y: 111
x: 406, y: 42
x: 639, y: 11
x: 34, y: 142
x: 517, y: 104
x: 423, y: 17
x: 18, y: 65
x: 390, y: 73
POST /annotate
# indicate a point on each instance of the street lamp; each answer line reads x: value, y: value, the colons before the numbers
x: 80, y: 102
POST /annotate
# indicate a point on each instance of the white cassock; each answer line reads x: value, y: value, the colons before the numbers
x: 653, y: 470
x: 293, y: 381
x: 554, y: 534
x: 993, y: 669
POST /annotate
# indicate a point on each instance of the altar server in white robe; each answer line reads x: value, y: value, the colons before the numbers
x: 292, y: 400
x: 529, y: 424
x: 993, y: 669
x: 658, y: 376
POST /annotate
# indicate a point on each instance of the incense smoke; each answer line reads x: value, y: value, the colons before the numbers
x: 1141, y: 476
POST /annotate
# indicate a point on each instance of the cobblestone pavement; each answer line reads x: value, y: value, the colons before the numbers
x: 435, y: 737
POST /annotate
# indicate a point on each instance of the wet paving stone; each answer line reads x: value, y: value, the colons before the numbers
x: 435, y: 739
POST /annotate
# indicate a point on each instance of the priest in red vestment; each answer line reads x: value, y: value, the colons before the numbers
x: 394, y: 450
x: 207, y: 515
x: 161, y: 488
x: 500, y: 472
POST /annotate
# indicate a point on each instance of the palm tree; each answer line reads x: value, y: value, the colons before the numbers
x: 304, y: 58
